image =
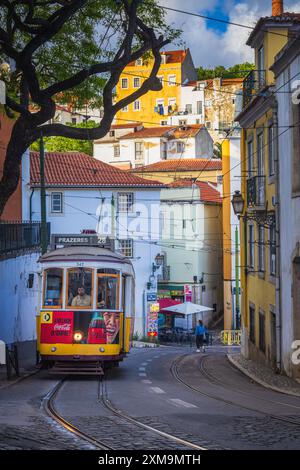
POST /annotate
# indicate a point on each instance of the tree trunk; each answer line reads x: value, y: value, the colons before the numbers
x: 19, y: 142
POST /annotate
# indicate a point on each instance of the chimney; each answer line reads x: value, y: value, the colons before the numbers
x: 277, y: 7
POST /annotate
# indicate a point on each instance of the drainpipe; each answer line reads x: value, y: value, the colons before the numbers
x: 30, y: 205
x: 277, y: 229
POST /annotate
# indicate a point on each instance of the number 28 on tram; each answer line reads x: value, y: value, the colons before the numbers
x: 87, y: 309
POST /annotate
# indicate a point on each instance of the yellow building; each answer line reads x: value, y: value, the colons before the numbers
x: 155, y: 107
x: 259, y: 248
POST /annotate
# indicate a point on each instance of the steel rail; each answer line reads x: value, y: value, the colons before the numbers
x: 49, y: 407
x: 107, y: 403
x: 176, y: 375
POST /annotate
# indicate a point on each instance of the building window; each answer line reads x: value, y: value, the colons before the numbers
x: 126, y: 247
x: 172, y: 80
x: 111, y: 133
x: 182, y: 122
x: 261, y: 248
x: 116, y: 151
x: 125, y: 202
x: 136, y: 83
x: 57, y: 203
x: 250, y: 159
x: 251, y: 247
x: 271, y: 146
x: 74, y: 121
x: 125, y: 109
x: 272, y: 238
x: 137, y: 105
x: 163, y: 123
x: 124, y: 83
x: 164, y: 150
x: 260, y: 154
x: 179, y: 147
x: 161, y: 79
x: 262, y: 332
x: 139, y: 151
x: 252, y: 324
x: 139, y: 62
x: 199, y: 107
x: 189, y: 109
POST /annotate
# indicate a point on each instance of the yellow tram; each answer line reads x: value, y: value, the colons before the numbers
x: 87, y: 309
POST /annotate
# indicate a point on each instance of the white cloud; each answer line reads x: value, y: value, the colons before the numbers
x: 210, y: 47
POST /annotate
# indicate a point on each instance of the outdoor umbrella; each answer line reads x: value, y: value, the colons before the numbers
x: 188, y: 308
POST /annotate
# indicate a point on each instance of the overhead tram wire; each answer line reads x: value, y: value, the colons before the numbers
x: 218, y: 20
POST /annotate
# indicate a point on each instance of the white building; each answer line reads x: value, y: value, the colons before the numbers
x: 83, y: 193
x: 192, y: 240
x: 192, y: 105
x: 144, y: 146
x: 287, y: 66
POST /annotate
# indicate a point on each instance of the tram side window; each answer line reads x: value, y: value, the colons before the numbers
x: 108, y: 291
x: 53, y: 287
x: 80, y: 287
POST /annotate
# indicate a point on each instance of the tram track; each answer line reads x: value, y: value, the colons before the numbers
x: 102, y: 397
x: 215, y: 381
x: 49, y: 407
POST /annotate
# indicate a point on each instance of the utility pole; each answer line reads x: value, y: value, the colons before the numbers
x: 237, y: 281
x: 43, y: 198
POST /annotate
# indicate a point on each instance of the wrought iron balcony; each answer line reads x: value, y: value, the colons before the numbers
x: 253, y: 84
x: 16, y: 236
x: 256, y: 192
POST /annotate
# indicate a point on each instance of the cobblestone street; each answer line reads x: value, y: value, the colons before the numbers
x: 200, y: 399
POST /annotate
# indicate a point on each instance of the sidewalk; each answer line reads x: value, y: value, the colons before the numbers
x: 265, y: 376
x: 26, y: 371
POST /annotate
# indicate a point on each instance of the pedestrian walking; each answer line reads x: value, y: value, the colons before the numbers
x: 200, y: 333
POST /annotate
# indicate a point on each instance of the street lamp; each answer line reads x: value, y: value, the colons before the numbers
x: 238, y: 203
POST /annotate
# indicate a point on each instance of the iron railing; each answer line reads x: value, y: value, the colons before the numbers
x: 256, y: 191
x: 16, y: 236
x: 253, y: 83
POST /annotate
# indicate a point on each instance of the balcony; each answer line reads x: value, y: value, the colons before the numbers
x: 16, y: 236
x: 256, y: 192
x: 253, y: 84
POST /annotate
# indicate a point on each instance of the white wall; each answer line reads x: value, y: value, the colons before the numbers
x: 83, y: 209
x: 289, y: 209
x: 18, y: 302
x: 198, y: 248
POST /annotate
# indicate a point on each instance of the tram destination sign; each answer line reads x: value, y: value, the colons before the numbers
x: 81, y: 239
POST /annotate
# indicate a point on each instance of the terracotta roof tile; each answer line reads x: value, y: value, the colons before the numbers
x: 208, y: 191
x: 177, y: 132
x: 286, y: 17
x: 80, y: 170
x: 191, y: 164
x: 173, y: 57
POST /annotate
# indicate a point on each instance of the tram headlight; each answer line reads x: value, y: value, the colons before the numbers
x: 78, y: 336
x: 101, y: 349
x: 53, y: 349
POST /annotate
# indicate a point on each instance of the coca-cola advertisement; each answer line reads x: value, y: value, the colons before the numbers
x: 80, y: 327
x: 58, y: 329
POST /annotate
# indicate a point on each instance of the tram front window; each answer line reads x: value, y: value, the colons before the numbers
x: 79, y: 287
x: 53, y: 287
x: 108, y: 291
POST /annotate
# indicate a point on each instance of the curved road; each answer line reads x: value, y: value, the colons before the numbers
x: 199, y: 398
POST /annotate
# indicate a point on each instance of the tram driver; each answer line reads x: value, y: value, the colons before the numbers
x: 82, y: 299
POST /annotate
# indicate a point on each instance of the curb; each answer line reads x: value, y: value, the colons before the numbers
x: 258, y: 380
x: 19, y: 379
x: 142, y: 344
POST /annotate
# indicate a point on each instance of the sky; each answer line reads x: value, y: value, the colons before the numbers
x: 212, y: 43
